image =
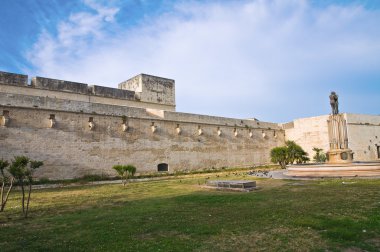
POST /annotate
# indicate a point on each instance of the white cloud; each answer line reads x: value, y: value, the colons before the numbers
x: 241, y: 59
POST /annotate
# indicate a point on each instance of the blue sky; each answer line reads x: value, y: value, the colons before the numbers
x: 275, y: 60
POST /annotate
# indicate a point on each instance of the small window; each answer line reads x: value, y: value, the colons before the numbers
x: 162, y: 167
x: 52, y: 116
x: 91, y: 119
x: 378, y: 152
x: 5, y: 112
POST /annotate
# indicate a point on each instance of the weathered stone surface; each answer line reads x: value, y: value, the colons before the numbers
x: 59, y: 85
x: 112, y: 92
x: 151, y: 89
x: 70, y: 149
x: 13, y: 79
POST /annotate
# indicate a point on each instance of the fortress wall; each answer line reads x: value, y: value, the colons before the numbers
x: 71, y: 149
x: 178, y: 116
x: 364, y: 136
x: 47, y: 103
x: 18, y: 93
x: 309, y: 133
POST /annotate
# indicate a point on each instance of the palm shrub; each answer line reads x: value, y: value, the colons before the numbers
x: 296, y: 153
x: 125, y: 172
x: 320, y: 156
x: 5, y: 179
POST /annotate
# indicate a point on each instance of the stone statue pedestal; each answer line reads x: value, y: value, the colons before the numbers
x: 339, y: 152
x: 340, y: 156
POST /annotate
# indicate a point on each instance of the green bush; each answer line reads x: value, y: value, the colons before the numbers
x: 289, y: 154
x: 125, y: 172
x: 320, y: 156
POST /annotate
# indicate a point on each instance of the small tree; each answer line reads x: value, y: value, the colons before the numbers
x: 125, y: 172
x: 319, y: 156
x: 5, y: 180
x: 296, y: 153
x: 289, y: 154
x: 280, y: 155
x: 34, y: 164
x: 24, y: 176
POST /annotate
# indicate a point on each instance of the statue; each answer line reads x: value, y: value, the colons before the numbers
x: 334, y: 103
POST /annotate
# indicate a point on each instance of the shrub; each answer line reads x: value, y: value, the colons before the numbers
x: 289, y: 154
x: 125, y: 172
x: 320, y: 156
x: 280, y: 155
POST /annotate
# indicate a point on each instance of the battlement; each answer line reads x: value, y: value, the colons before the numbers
x: 13, y: 79
x: 140, y: 91
x: 59, y: 85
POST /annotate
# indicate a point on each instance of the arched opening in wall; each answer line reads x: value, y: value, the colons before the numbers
x: 162, y: 167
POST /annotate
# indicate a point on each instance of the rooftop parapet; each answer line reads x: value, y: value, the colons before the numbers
x: 13, y: 79
x: 59, y: 85
x: 112, y: 92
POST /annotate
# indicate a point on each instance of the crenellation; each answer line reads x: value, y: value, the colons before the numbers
x: 13, y: 79
x: 59, y: 85
x: 112, y: 92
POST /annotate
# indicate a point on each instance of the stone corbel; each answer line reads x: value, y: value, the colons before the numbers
x: 250, y: 133
x: 219, y: 131
x: 153, y: 127
x: 235, y: 132
x: 264, y: 134
x: 124, y: 125
x: 91, y: 124
x: 52, y: 121
x: 200, y: 131
x: 178, y: 130
x: 5, y: 118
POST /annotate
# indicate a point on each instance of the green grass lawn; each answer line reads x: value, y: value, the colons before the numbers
x: 179, y: 215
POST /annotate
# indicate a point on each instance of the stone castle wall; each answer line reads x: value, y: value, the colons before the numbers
x: 364, y: 136
x: 71, y: 148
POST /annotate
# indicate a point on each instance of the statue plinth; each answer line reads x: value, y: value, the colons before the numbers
x: 342, y: 156
x: 339, y: 152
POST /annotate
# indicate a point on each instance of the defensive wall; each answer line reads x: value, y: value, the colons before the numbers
x: 79, y: 129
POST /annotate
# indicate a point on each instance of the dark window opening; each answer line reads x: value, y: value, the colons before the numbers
x: 162, y: 167
x: 5, y: 113
x: 378, y: 151
x: 52, y: 116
